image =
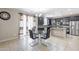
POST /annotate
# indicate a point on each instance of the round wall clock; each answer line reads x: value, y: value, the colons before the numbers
x: 5, y: 15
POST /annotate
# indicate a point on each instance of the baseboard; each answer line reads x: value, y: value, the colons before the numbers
x: 8, y: 39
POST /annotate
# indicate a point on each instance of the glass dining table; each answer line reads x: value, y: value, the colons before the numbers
x: 40, y: 35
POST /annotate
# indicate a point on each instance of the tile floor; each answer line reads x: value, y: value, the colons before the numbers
x: 69, y: 43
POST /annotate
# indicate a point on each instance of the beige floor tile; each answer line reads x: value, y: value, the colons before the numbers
x: 70, y: 43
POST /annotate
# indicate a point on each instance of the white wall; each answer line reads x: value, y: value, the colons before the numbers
x: 9, y: 28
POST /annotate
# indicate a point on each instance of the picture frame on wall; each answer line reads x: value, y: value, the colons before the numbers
x: 5, y: 15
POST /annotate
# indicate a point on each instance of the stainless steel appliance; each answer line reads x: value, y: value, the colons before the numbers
x: 74, y: 28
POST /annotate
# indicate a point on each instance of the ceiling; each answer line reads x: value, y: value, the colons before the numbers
x: 34, y: 11
x: 52, y: 12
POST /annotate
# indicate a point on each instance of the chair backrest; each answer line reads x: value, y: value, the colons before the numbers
x: 48, y: 33
x: 31, y: 33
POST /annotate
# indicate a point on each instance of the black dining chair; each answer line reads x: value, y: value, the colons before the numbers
x: 32, y: 35
x: 46, y: 35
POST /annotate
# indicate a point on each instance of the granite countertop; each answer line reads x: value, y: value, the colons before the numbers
x: 58, y: 29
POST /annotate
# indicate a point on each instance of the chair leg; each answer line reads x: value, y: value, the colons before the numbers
x: 47, y: 44
x: 34, y: 43
x: 42, y: 43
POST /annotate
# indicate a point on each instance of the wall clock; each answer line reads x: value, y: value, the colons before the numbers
x: 5, y: 15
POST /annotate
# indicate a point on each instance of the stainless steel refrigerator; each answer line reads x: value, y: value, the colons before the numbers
x: 74, y: 28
